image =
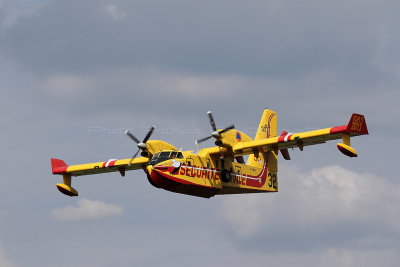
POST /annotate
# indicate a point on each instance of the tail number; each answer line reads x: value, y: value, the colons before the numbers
x: 272, y: 180
x: 357, y: 123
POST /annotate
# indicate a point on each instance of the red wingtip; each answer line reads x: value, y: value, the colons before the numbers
x: 58, y: 166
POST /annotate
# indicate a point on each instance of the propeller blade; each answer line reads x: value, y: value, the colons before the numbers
x: 134, y: 156
x: 204, y: 139
x: 212, y: 122
x: 149, y: 133
x: 216, y: 134
x: 227, y: 129
x: 132, y: 136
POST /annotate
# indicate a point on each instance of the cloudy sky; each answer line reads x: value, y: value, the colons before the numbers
x: 75, y: 74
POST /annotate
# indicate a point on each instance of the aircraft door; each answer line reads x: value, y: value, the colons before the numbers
x: 238, y: 176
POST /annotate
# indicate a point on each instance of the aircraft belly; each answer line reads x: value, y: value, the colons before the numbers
x: 174, y: 184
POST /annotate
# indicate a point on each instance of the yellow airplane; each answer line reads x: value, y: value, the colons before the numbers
x: 220, y: 169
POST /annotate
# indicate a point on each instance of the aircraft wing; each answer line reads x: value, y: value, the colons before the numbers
x: 356, y: 126
x: 60, y: 167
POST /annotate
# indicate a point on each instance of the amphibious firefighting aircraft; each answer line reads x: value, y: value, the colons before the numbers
x: 220, y: 169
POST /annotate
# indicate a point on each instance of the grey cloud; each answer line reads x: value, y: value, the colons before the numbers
x: 327, y: 208
x: 74, y: 64
x: 132, y: 91
x: 86, y: 210
x: 271, y: 39
x: 4, y: 259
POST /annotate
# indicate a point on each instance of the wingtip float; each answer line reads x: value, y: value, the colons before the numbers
x: 356, y: 126
x: 220, y: 169
x: 58, y: 166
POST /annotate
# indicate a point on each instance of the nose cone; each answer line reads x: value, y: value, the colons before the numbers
x: 216, y: 134
x: 142, y: 145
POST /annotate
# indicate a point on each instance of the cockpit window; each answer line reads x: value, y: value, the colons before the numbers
x: 165, y: 155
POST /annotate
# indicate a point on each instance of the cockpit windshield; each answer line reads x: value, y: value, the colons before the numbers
x: 165, y: 155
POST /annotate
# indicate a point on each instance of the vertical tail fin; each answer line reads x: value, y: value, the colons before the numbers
x: 266, y: 129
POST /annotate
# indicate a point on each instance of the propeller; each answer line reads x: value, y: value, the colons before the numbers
x: 141, y: 145
x: 216, y: 133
